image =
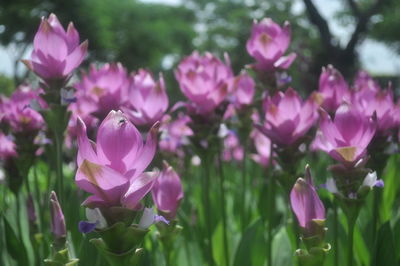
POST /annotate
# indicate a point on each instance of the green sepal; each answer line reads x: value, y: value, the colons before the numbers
x: 167, y: 233
x: 130, y: 257
x: 57, y: 118
x: 315, y: 256
x: 120, y: 238
x: 118, y: 214
x: 60, y: 257
x: 315, y: 234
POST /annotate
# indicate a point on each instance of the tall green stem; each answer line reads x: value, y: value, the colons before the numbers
x: 271, y: 210
x: 223, y: 206
x: 351, y: 223
x: 207, y: 207
x: 59, y: 164
x: 335, y: 235
x: 243, y: 189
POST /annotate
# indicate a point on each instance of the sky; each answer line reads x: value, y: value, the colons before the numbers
x: 375, y: 57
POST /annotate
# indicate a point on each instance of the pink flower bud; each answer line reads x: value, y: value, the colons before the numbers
x: 167, y: 192
x: 57, y: 217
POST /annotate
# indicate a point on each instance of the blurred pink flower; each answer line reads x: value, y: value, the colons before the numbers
x: 174, y: 134
x: 112, y: 169
x: 263, y: 147
x: 333, y: 89
x: 57, y: 217
x: 204, y: 80
x: 148, y: 99
x: 268, y: 43
x: 103, y: 90
x: 56, y: 52
x: 232, y: 148
x: 7, y: 147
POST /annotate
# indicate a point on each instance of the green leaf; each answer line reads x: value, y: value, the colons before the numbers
x: 15, y: 247
x: 385, y: 253
x: 360, y: 247
x: 282, y: 253
x: 392, y: 185
x: 252, y: 246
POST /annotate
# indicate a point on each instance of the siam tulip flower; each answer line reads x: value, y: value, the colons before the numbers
x: 333, y: 89
x: 174, y: 134
x: 306, y: 205
x: 103, y: 90
x: 148, y: 99
x: 204, y: 80
x: 268, y: 43
x: 346, y: 137
x: 263, y: 148
x: 167, y: 192
x: 364, y: 81
x: 7, y: 147
x: 232, y: 148
x: 56, y: 52
x: 243, y: 90
x: 57, y: 218
x: 17, y: 112
x: 112, y: 169
x: 380, y: 103
x: 287, y: 117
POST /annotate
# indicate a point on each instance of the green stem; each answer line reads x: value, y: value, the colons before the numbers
x: 223, y: 206
x: 243, y: 190
x: 59, y: 165
x: 335, y: 235
x: 18, y: 201
x: 351, y: 221
x: 207, y: 207
x: 271, y: 209
x: 375, y: 215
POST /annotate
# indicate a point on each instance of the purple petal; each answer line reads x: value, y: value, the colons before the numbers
x: 86, y: 227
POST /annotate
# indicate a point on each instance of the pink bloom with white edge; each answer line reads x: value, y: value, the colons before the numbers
x: 333, y: 89
x: 56, y: 52
x: 112, y: 168
x: 346, y: 138
x: 167, y: 192
x: 18, y: 113
x: 103, y: 89
x: 288, y: 117
x: 268, y: 43
x: 148, y: 99
x: 204, y: 80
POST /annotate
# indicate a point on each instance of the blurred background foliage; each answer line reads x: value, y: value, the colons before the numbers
x: 156, y: 36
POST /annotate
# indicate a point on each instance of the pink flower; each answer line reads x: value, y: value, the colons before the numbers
x: 56, y: 53
x: 232, y: 148
x: 148, y: 99
x: 364, y: 81
x: 17, y: 112
x: 263, y: 148
x: 112, y: 169
x: 287, y: 117
x: 333, y: 89
x: 103, y: 90
x: 346, y: 138
x: 204, y: 80
x: 306, y: 204
x: 174, y: 134
x: 243, y: 90
x: 167, y: 192
x: 7, y: 147
x: 268, y: 43
x: 57, y: 217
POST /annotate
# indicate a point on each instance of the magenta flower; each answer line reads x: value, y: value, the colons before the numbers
x: 364, y: 81
x: 346, y: 137
x: 306, y: 204
x: 243, y: 90
x: 103, y: 90
x: 112, y: 169
x: 17, y: 111
x: 7, y: 147
x: 268, y: 43
x: 56, y: 53
x: 57, y: 218
x: 287, y: 117
x: 204, y: 80
x: 333, y: 89
x: 174, y: 134
x: 148, y: 99
x: 232, y: 148
x: 263, y: 147
x: 382, y: 104
x: 167, y: 192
